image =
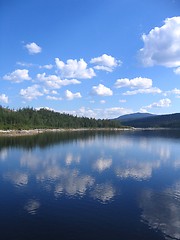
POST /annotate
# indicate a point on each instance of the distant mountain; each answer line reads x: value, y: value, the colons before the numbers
x: 134, y: 116
x: 153, y: 121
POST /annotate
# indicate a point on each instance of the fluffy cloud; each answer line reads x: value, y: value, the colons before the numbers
x: 105, y: 62
x: 153, y: 90
x: 101, y: 90
x: 74, y: 69
x: 161, y: 104
x: 161, y: 45
x: 105, y: 113
x: 31, y: 93
x: 70, y: 96
x: 174, y: 91
x: 4, y: 98
x: 177, y: 70
x: 54, y: 81
x: 33, y: 48
x: 18, y: 76
x: 137, y: 82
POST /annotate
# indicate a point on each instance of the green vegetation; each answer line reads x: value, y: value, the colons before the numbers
x: 29, y: 118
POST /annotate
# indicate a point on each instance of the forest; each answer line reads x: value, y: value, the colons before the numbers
x: 30, y: 118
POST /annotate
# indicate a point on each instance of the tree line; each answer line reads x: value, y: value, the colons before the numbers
x: 30, y: 118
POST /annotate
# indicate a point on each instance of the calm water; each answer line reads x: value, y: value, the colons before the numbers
x: 90, y: 185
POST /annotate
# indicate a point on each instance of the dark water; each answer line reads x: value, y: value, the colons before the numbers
x: 90, y: 185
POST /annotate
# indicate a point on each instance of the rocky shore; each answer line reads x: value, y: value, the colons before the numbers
x: 38, y: 131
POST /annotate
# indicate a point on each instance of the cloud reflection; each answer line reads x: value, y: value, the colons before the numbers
x: 70, y: 159
x: 17, y: 178
x: 72, y: 183
x: 32, y: 206
x: 102, y: 164
x: 137, y: 170
x: 162, y: 210
x: 103, y: 192
x: 3, y: 154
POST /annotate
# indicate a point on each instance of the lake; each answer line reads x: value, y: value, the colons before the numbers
x: 90, y: 185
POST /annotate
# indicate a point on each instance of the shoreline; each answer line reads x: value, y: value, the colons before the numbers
x: 39, y: 131
x: 31, y: 132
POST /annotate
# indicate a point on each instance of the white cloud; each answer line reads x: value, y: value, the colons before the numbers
x: 177, y: 71
x: 137, y: 82
x: 54, y: 98
x: 104, y: 113
x: 161, y: 45
x: 24, y: 64
x: 54, y: 81
x: 175, y: 91
x: 102, y: 101
x: 54, y: 92
x: 4, y: 98
x: 105, y: 62
x: 153, y: 90
x: 33, y: 48
x: 74, y: 69
x: 47, y: 66
x: 122, y: 101
x: 18, y: 76
x: 115, y: 112
x: 31, y: 93
x: 166, y: 102
x: 70, y: 96
x: 101, y: 90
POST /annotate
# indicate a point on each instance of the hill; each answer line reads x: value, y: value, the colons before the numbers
x: 157, y: 121
x: 134, y: 116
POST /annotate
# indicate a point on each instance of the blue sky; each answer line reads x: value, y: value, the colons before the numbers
x: 94, y: 58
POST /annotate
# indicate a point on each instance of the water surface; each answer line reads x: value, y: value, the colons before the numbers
x: 90, y: 185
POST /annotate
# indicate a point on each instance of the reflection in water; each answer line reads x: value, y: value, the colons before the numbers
x: 102, y: 164
x: 103, y: 192
x: 72, y: 183
x: 3, y: 154
x: 17, y: 178
x: 161, y: 211
x: 137, y: 170
x: 92, y: 169
x: 32, y: 206
x: 70, y: 159
x: 30, y: 160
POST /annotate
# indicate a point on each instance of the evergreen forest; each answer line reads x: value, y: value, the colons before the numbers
x: 30, y: 118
